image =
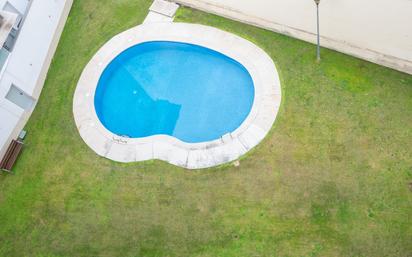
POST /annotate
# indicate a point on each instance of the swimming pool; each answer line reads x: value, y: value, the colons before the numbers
x: 183, y: 90
x: 188, y: 94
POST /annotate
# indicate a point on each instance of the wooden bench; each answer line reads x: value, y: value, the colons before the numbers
x: 11, y: 155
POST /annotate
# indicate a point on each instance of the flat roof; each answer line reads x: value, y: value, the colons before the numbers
x: 32, y: 46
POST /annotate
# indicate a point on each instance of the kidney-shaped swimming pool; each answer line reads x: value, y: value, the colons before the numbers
x: 183, y: 90
x: 192, y: 95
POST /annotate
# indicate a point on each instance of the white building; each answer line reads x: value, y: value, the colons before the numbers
x: 25, y: 56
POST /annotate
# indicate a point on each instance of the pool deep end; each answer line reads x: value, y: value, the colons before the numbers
x: 186, y: 91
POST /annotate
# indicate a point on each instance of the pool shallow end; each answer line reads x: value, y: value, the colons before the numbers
x: 193, y: 156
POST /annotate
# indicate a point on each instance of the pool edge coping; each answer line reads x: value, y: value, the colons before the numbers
x: 167, y: 148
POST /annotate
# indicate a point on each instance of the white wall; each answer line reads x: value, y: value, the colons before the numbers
x: 376, y: 30
x: 29, y: 62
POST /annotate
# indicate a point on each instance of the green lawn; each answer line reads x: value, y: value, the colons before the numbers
x: 331, y: 179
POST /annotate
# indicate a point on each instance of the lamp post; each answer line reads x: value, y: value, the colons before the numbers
x: 317, y: 17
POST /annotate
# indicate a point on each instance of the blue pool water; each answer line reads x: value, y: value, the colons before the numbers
x: 186, y: 91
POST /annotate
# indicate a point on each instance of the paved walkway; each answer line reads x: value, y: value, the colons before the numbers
x: 161, y: 11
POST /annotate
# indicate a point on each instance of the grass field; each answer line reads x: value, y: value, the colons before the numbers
x: 331, y: 179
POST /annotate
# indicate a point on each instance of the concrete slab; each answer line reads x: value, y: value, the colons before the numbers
x: 164, y: 7
x: 153, y: 17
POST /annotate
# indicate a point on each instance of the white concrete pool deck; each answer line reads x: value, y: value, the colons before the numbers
x: 167, y: 148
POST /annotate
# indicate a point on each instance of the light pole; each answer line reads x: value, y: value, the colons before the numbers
x: 317, y: 17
